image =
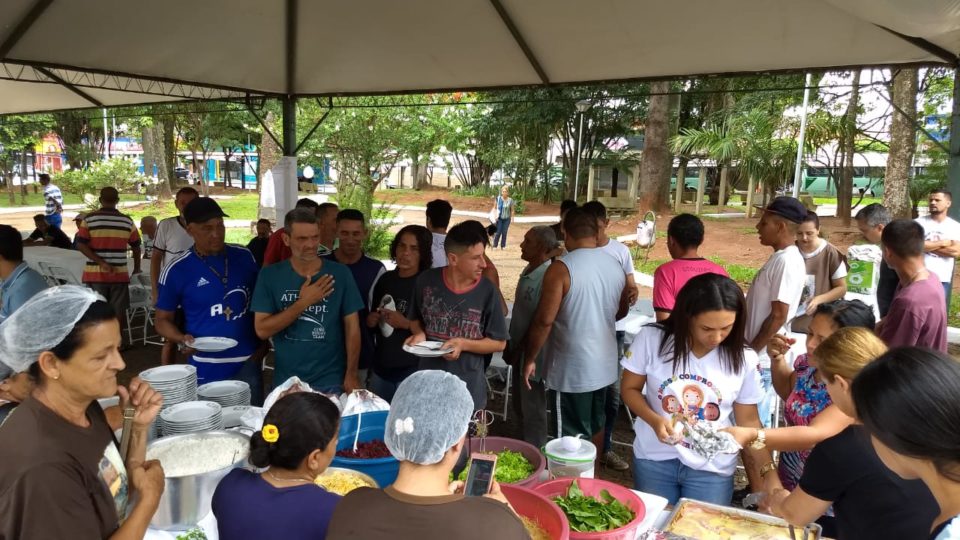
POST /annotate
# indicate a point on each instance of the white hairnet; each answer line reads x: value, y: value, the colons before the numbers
x: 429, y: 413
x: 41, y: 324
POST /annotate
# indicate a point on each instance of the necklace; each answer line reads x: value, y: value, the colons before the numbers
x: 226, y: 268
x: 270, y: 473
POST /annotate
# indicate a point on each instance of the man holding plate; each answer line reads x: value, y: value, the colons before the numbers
x: 457, y: 306
x: 212, y: 283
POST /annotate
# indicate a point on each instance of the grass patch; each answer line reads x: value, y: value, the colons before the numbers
x: 953, y: 318
x: 833, y: 200
x: 647, y: 267
x: 238, y: 236
x: 35, y: 199
x: 741, y: 274
x: 242, y: 207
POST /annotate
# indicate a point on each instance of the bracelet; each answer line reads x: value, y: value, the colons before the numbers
x: 767, y: 468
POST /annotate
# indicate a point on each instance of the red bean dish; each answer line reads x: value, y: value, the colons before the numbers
x: 367, y: 450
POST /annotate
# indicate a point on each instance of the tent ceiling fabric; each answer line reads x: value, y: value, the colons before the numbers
x: 222, y: 49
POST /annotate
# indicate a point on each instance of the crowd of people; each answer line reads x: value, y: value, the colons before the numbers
x: 869, y: 406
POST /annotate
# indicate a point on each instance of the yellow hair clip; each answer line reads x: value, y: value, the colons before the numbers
x: 270, y: 433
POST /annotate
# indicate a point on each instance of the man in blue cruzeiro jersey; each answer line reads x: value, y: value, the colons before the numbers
x: 213, y: 283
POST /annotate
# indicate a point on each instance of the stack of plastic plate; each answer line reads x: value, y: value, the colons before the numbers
x: 176, y: 383
x: 191, y: 417
x: 226, y: 393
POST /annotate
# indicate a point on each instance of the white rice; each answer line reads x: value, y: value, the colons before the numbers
x: 197, y: 456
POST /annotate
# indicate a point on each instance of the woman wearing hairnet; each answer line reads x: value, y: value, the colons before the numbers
x: 426, y: 430
x: 61, y: 474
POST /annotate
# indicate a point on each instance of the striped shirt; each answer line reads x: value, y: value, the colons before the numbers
x: 108, y: 233
x: 53, y: 199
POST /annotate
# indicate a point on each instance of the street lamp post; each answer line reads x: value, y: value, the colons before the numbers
x: 582, y: 107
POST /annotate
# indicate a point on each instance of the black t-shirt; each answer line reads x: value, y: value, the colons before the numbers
x: 365, y: 272
x: 886, y: 288
x: 258, y: 246
x: 390, y: 361
x: 57, y: 237
x: 870, y: 501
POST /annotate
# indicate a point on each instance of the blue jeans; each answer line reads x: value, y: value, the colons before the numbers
x: 672, y: 480
x: 946, y: 294
x: 612, y: 406
x: 54, y: 219
x: 501, y: 236
x: 385, y: 388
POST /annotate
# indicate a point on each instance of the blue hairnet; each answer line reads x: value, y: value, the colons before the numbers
x: 429, y: 414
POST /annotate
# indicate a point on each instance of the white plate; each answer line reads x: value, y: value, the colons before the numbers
x: 212, y: 344
x: 232, y: 415
x: 168, y: 375
x: 190, y: 412
x: 428, y: 349
x: 223, y: 389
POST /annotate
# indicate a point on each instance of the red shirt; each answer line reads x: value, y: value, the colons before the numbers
x: 276, y: 250
x: 670, y: 277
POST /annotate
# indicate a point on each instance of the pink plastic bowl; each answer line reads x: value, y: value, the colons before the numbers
x: 592, y: 487
x: 536, y: 507
x: 499, y: 444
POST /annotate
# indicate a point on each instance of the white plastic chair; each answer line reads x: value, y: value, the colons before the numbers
x: 504, y: 372
x: 57, y: 275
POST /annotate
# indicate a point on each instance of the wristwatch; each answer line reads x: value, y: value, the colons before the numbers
x: 761, y: 441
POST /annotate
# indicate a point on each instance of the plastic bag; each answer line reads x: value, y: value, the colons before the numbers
x: 387, y: 303
x: 864, y: 261
x: 647, y: 231
x: 253, y: 417
x: 361, y: 401
x: 493, y: 215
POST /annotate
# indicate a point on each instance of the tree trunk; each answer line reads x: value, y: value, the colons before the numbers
x: 849, y: 133
x: 613, y: 182
x: 896, y: 191
x: 10, y: 191
x: 169, y: 155
x: 415, y: 172
x: 149, y: 158
x: 724, y: 182
x: 269, y: 151
x: 655, y: 164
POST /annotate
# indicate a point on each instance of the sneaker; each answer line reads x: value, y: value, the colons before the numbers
x: 614, y: 461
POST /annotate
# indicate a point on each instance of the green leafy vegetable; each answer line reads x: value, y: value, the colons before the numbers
x: 512, y: 467
x: 193, y: 534
x: 588, y: 514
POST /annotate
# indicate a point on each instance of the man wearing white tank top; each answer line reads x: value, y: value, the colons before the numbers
x: 583, y: 295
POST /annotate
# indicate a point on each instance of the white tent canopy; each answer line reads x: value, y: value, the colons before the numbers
x: 61, y: 54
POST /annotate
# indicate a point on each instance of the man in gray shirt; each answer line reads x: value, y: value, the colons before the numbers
x: 459, y: 307
x: 584, y: 293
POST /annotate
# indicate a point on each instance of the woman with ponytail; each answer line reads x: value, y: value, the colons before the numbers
x: 297, y: 443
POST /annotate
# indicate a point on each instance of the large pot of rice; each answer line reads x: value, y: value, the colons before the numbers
x: 194, y: 463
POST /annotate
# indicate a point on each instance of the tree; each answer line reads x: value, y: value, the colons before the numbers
x: 119, y: 172
x: 903, y: 96
x: 76, y: 134
x: 847, y: 149
x: 17, y: 135
x: 657, y: 161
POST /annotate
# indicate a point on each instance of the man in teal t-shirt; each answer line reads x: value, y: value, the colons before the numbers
x: 309, y: 307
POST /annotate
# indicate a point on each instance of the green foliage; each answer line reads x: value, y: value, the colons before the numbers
x: 120, y: 173
x: 590, y: 514
x: 743, y: 275
x: 195, y: 533
x: 378, y: 218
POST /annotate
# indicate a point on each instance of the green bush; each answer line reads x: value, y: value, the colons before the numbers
x: 119, y: 173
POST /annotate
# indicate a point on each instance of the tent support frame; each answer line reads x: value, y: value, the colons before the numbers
x: 521, y: 42
x: 24, y: 26
x: 53, y: 77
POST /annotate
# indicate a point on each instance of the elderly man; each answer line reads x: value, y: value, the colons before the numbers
x: 309, y: 306
x: 212, y: 283
x: 538, y: 244
x: 584, y: 293
x: 148, y: 232
x: 104, y: 236
x: 871, y: 220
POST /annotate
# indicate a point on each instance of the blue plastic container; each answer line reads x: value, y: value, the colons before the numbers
x: 372, y: 425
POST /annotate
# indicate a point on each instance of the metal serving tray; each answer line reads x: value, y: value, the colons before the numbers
x: 810, y: 532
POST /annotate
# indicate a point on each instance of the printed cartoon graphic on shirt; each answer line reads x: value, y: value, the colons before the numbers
x: 809, y: 291
x: 114, y: 476
x: 689, y: 399
x: 314, y: 316
x: 444, y: 321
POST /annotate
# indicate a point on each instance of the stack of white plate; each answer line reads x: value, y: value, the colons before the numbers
x: 226, y: 393
x: 176, y: 383
x: 191, y: 417
x: 233, y: 414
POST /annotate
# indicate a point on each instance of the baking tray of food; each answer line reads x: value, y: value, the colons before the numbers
x: 707, y: 521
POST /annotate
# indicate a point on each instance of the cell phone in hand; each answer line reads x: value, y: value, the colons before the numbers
x: 480, y: 477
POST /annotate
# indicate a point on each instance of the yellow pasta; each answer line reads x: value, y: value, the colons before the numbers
x: 534, y: 529
x: 341, y: 483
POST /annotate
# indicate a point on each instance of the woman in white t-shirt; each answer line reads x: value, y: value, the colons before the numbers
x: 691, y: 368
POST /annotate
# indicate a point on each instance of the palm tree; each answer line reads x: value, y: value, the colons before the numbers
x: 760, y: 146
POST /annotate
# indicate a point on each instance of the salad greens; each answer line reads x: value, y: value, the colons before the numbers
x: 588, y: 514
x: 512, y: 467
x: 195, y: 533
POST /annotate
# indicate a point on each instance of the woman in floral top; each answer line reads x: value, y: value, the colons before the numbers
x: 811, y: 416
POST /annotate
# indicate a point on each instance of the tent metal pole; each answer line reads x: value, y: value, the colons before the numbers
x: 23, y: 26
x: 953, y: 170
x: 289, y: 125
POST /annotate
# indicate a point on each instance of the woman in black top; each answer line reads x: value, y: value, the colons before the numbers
x: 411, y: 250
x: 909, y: 401
x: 844, y: 471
